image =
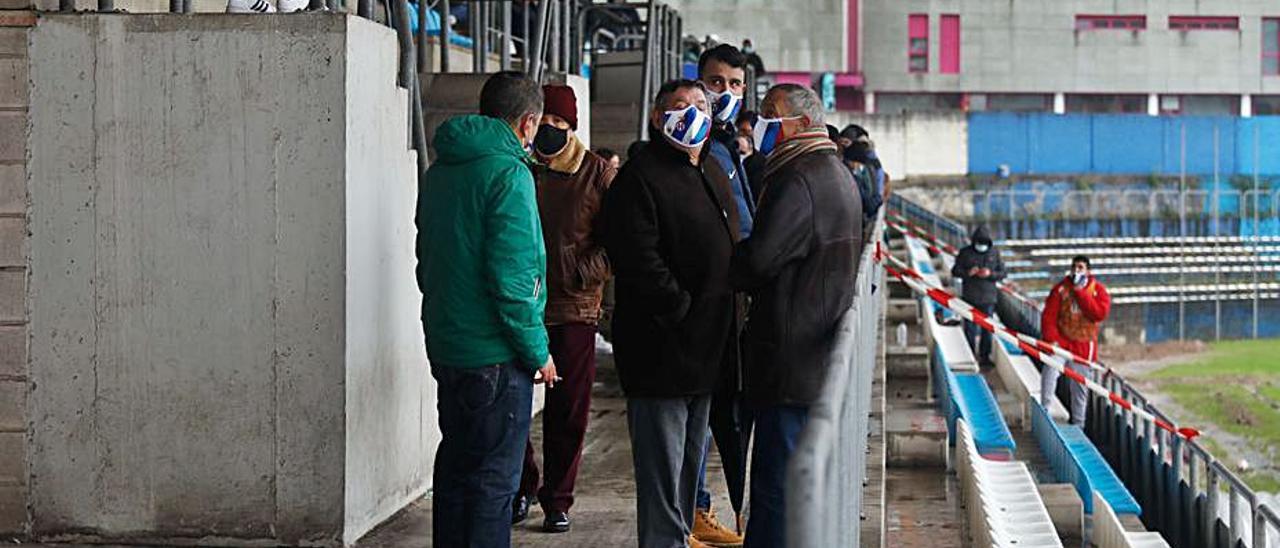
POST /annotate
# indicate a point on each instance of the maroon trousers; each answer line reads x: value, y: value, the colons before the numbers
x: 564, y: 419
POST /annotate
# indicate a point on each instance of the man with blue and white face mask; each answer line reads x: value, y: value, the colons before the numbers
x: 669, y: 230
x: 979, y: 268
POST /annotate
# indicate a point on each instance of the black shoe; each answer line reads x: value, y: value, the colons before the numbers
x: 519, y: 509
x: 556, y: 522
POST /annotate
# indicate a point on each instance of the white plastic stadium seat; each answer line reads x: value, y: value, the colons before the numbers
x: 1003, y: 505
x: 1109, y: 533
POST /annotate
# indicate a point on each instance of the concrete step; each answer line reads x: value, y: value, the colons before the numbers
x: 909, y: 362
x: 902, y: 311
x: 899, y: 290
x: 916, y: 436
x: 1065, y: 509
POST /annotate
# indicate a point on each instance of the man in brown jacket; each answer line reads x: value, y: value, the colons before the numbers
x: 571, y: 184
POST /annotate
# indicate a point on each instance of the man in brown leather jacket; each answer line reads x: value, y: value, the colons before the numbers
x: 571, y: 184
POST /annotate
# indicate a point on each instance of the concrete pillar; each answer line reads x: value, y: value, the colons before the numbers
x: 1153, y: 104
x: 1059, y: 103
x: 869, y: 102
x: 225, y: 336
x: 1246, y: 106
x: 14, y: 104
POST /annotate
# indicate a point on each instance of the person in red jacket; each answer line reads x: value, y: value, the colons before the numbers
x: 1072, y: 316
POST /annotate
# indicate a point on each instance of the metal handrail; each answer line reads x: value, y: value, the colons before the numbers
x: 826, y: 471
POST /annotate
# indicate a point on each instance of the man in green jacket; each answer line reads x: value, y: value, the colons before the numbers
x: 482, y: 272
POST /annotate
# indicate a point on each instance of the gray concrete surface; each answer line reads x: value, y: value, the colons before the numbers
x: 796, y: 35
x: 200, y: 367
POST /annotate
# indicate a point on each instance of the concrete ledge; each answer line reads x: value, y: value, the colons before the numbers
x: 13, y: 189
x: 12, y: 296
x: 13, y: 352
x: 13, y: 242
x: 13, y: 405
x: 13, y: 122
x: 17, y: 18
x: 13, y: 82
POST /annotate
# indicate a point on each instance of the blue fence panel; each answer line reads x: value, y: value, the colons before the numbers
x: 1267, y: 129
x: 1126, y: 143
x: 1059, y: 144
x: 998, y: 138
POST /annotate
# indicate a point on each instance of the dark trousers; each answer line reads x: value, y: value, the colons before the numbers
x: 979, y: 339
x: 777, y: 429
x: 484, y: 415
x: 667, y: 439
x: 564, y: 419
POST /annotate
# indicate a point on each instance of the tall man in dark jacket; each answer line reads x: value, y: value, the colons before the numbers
x: 571, y: 185
x: 979, y: 268
x: 669, y: 236
x: 799, y: 266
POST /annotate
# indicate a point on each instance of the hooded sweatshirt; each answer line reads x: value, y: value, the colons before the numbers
x: 481, y: 260
x: 979, y: 291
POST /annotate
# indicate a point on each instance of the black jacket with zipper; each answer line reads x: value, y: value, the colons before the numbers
x: 667, y: 233
x: 799, y: 266
x: 975, y: 290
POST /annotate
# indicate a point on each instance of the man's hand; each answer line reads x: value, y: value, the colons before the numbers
x: 547, y: 374
x: 974, y: 271
x: 984, y: 272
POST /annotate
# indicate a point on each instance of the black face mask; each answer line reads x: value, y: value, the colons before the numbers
x: 550, y: 140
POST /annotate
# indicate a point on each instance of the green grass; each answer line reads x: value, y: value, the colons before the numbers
x: 1231, y: 358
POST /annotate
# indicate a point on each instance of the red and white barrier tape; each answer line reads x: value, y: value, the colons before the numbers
x: 1030, y: 345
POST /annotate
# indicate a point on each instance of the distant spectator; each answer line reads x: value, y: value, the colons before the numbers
x: 610, y: 156
x: 753, y: 58
x: 482, y: 272
x: 979, y: 268
x: 1072, y: 317
x: 860, y: 156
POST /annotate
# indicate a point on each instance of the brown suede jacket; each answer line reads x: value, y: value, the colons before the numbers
x: 570, y: 191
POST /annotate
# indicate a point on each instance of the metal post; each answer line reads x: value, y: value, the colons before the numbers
x: 446, y: 32
x: 537, y: 62
x: 1259, y: 527
x: 1182, y: 240
x: 364, y: 8
x: 1257, y: 231
x: 175, y: 6
x: 423, y: 57
x: 1211, y: 489
x: 473, y: 26
x: 507, y: 43
x: 400, y: 18
x: 678, y: 41
x: 106, y: 5
x: 566, y: 37
x: 524, y: 36
x: 1217, y: 257
x: 646, y: 77
x: 483, y: 35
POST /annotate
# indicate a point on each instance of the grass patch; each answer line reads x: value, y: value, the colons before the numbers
x: 1230, y: 358
x: 1233, y: 407
x: 1264, y: 482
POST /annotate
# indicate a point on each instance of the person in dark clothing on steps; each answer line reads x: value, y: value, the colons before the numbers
x: 979, y: 268
x: 670, y: 226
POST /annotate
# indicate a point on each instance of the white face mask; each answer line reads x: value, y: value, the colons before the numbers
x: 1079, y: 277
x: 981, y: 248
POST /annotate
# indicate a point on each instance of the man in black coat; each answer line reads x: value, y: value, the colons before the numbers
x: 799, y: 266
x: 979, y: 268
x: 670, y: 226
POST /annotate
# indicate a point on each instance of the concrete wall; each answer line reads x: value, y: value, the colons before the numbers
x: 205, y: 353
x: 915, y: 144
x: 796, y: 35
x: 1033, y: 47
x: 391, y: 422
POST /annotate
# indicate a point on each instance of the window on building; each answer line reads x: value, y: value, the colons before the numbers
x: 1123, y: 22
x: 897, y: 103
x: 1271, y: 46
x: 949, y: 36
x: 1105, y: 103
x: 1186, y: 22
x: 918, y: 42
x: 1019, y: 102
x: 1266, y: 105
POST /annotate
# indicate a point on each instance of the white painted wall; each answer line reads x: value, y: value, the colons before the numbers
x: 915, y: 144
x: 391, y: 426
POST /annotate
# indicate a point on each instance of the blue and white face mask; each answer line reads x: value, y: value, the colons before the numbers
x: 766, y: 132
x: 686, y: 128
x: 725, y: 106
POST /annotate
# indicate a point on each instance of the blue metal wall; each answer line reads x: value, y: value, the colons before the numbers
x: 1120, y: 144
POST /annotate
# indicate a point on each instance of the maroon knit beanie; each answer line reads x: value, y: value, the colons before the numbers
x: 560, y: 101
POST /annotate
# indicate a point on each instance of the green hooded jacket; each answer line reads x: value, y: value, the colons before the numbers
x: 481, y: 260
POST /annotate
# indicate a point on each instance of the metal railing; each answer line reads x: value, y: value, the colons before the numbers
x: 826, y: 472
x: 937, y: 224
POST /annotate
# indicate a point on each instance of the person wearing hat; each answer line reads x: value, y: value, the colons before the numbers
x: 571, y: 183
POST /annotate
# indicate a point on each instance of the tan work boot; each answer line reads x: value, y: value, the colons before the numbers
x: 708, y: 530
x: 693, y: 543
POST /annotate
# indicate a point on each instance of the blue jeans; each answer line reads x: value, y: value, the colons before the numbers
x: 777, y: 429
x: 484, y: 419
x: 704, y: 496
x: 979, y: 339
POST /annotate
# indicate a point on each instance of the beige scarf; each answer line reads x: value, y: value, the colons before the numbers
x: 809, y: 140
x: 568, y: 161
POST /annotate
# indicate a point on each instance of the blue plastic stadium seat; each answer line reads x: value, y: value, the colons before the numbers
x: 1101, y: 477
x: 967, y: 395
x: 1010, y: 347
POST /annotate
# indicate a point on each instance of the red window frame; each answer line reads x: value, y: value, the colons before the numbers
x: 949, y: 43
x: 918, y: 42
x: 1111, y: 22
x: 1271, y: 51
x: 1199, y: 22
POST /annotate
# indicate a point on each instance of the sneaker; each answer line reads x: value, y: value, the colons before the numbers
x: 250, y: 6
x: 519, y: 509
x: 556, y: 522
x: 709, y: 531
x: 603, y: 346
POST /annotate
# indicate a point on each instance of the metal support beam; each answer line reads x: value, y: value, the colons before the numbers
x: 537, y: 61
x: 506, y: 43
x: 646, y: 73
x: 424, y: 46
x: 446, y: 32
